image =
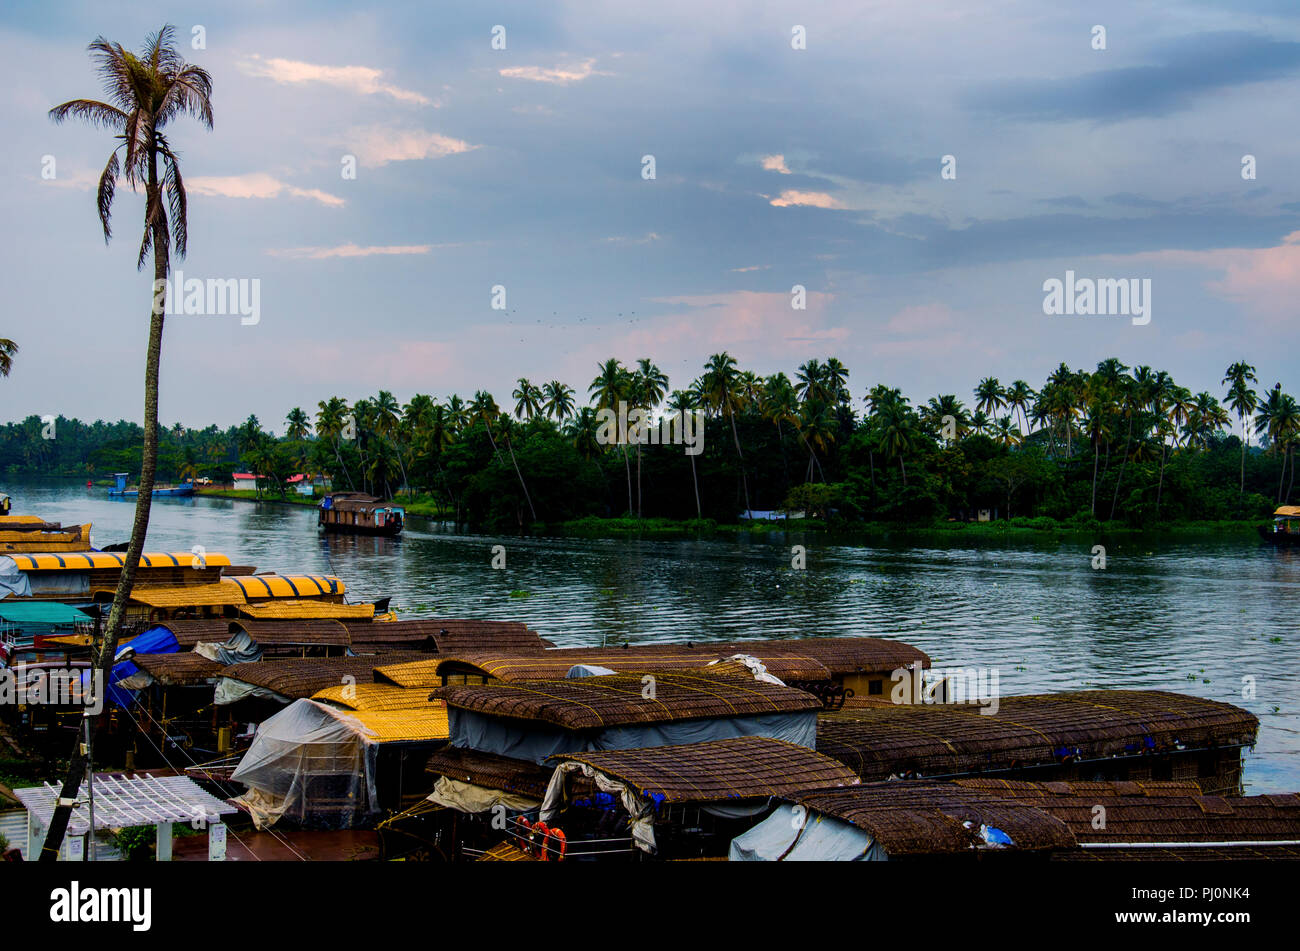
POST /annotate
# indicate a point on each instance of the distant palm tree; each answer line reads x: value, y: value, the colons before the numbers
x: 559, y: 400
x: 299, y: 424
x: 989, y: 396
x: 719, y: 383
x: 147, y: 90
x: 1020, y: 396
x: 683, y: 402
x: 7, y: 350
x: 1243, y: 401
x: 528, y: 399
x: 648, y: 386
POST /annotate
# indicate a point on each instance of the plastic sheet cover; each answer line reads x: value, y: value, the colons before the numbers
x: 536, y: 741
x: 13, y: 581
x: 311, y: 764
x: 126, y: 677
x: 239, y: 649
x: 791, y: 834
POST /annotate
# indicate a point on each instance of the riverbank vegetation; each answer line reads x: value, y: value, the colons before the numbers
x: 1117, y: 446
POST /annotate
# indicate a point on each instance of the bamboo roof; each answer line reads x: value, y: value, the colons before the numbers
x: 554, y: 664
x: 327, y: 632
x: 189, y: 632
x: 507, y: 852
x: 363, y: 696
x: 491, y: 771
x: 300, y: 677
x: 218, y: 594
x: 618, y: 700
x: 447, y: 634
x: 184, y: 668
x: 882, y: 739
x: 1154, y: 812
x: 745, y: 767
x: 407, y: 725
x: 294, y: 609
x: 914, y: 818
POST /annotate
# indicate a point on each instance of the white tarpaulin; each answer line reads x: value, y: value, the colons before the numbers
x: 13, y: 581
x: 640, y: 810
x: 792, y: 834
x: 467, y: 797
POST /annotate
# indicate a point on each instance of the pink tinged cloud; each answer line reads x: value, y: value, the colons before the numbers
x: 559, y: 75
x: 791, y: 198
x: 349, y: 251
x: 358, y: 79
x: 378, y: 146
x: 1266, y: 281
x: 775, y: 163
x: 256, y: 185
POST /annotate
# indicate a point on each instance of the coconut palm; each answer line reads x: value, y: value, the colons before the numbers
x: 7, y: 350
x: 989, y: 396
x: 148, y: 90
x: 683, y: 402
x: 528, y: 399
x: 1243, y: 401
x: 611, y: 387
x: 559, y: 400
x: 719, y: 390
x: 299, y: 424
x: 1020, y: 396
x: 647, y: 386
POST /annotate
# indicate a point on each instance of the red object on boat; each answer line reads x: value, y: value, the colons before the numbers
x: 89, y: 484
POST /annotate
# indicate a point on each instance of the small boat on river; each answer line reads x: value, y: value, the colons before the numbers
x: 355, y: 513
x: 1285, y: 529
x: 120, y: 491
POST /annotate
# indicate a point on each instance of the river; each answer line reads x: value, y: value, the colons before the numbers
x: 1194, y: 615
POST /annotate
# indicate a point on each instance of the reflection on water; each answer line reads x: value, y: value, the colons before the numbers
x: 1195, y: 616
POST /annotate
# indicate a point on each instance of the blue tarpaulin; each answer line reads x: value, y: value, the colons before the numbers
x: 156, y: 640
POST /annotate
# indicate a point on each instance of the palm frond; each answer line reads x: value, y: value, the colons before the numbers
x: 107, y: 188
x: 97, y: 113
x: 176, y: 201
x: 190, y: 92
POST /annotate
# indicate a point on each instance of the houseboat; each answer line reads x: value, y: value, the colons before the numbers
x: 354, y: 513
x: 1285, y: 529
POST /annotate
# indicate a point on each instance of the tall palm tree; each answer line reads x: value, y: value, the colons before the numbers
x: 147, y: 90
x: 683, y: 402
x: 611, y: 387
x: 1019, y: 396
x: 719, y: 383
x: 7, y: 350
x: 1243, y: 401
x: 648, y: 386
x: 299, y: 424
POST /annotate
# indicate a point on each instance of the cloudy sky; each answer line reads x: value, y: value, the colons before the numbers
x: 773, y: 167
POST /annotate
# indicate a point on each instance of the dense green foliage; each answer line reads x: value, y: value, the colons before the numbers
x: 1110, y: 444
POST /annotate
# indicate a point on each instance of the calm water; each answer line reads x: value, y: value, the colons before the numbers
x: 1194, y: 616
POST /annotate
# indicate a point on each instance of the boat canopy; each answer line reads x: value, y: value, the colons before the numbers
x: 288, y: 586
x: 1287, y: 511
x: 52, y: 613
x: 85, y: 561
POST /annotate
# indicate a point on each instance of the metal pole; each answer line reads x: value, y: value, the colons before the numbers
x: 90, y: 759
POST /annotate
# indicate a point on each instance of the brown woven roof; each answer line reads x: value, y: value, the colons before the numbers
x: 491, y: 771
x: 840, y: 655
x: 1155, y: 812
x: 191, y: 632
x: 1208, y: 853
x: 745, y: 767
x: 1039, y: 729
x: 447, y: 634
x: 179, y: 669
x: 361, y: 696
x: 318, y: 632
x: 512, y: 667
x: 928, y: 818
x: 297, y: 677
x: 617, y: 700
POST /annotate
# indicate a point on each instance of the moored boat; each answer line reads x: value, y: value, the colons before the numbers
x: 1285, y: 529
x: 355, y: 513
x: 120, y: 491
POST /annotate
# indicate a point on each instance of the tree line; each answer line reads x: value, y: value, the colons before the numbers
x: 1112, y: 443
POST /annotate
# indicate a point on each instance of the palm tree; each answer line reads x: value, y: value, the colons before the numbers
x: 719, y: 384
x: 331, y: 417
x: 989, y: 396
x: 683, y: 402
x: 1243, y: 401
x: 147, y: 90
x: 648, y: 386
x: 610, y: 388
x: 299, y: 424
x: 7, y: 350
x: 559, y: 400
x: 528, y: 399
x: 484, y: 409
x: 1019, y: 396
x: 1096, y: 420
x: 583, y: 428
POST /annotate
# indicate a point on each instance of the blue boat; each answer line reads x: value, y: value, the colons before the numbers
x: 120, y: 491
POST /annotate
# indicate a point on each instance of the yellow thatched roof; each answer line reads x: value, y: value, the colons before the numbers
x: 183, y: 595
x: 85, y: 561
x: 428, y: 722
x: 1287, y: 511
x: 293, y: 608
x: 373, y: 696
x: 257, y: 587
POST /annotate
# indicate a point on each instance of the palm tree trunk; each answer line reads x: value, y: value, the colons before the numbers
x: 695, y: 479
x: 80, y: 760
x: 1160, y: 485
x: 1094, y: 481
x: 638, y: 480
x: 744, y: 480
x: 1291, y: 483
x: 1242, y: 490
x: 903, y: 468
x: 527, y: 497
x: 627, y: 467
x: 1123, y: 463
x: 1280, y: 478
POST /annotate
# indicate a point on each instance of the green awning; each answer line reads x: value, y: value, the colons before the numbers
x: 40, y: 612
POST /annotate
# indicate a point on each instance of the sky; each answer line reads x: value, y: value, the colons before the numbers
x: 920, y: 169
